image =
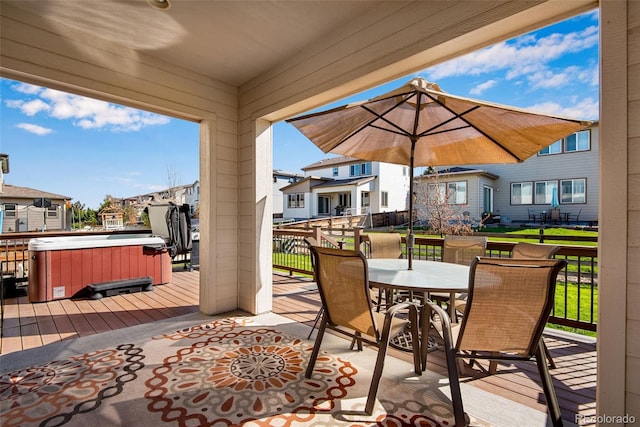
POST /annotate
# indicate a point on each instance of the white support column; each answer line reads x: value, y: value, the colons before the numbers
x: 208, y: 215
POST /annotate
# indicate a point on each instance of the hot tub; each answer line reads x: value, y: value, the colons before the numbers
x: 61, y: 267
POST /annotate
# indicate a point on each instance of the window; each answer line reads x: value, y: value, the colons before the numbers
x: 554, y: 148
x: 455, y: 193
x: 52, y: 211
x: 573, y: 191
x: 521, y: 193
x: 295, y: 200
x: 10, y: 210
x: 344, y: 199
x: 544, y: 192
x: 360, y: 169
x: 335, y: 171
x: 384, y: 199
x: 579, y: 141
x: 365, y: 200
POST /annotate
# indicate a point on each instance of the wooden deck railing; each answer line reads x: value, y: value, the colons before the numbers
x: 576, y: 290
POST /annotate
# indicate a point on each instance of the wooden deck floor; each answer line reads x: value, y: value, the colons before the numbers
x: 27, y: 325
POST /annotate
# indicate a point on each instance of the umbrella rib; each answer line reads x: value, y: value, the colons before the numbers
x: 461, y: 117
x: 376, y: 117
x: 383, y: 118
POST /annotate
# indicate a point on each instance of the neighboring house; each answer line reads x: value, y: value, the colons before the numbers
x: 569, y: 167
x: 180, y: 195
x: 339, y: 185
x: 112, y: 218
x: 22, y: 213
x: 282, y: 179
x: 469, y: 190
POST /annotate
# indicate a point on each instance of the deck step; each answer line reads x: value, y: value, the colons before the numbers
x: 117, y: 287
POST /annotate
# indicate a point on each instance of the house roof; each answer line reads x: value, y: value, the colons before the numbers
x: 15, y: 192
x: 332, y: 161
x: 460, y: 171
x: 280, y: 172
x: 304, y: 181
x: 345, y: 182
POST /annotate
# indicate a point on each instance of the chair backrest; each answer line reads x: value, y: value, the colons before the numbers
x: 463, y: 249
x: 555, y: 214
x: 343, y: 283
x: 508, y: 304
x: 533, y: 250
x: 385, y: 245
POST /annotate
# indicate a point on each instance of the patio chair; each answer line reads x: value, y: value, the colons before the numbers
x: 383, y: 245
x: 575, y: 218
x: 532, y: 216
x: 343, y: 282
x: 554, y: 216
x: 508, y: 305
x: 534, y: 251
x: 459, y: 250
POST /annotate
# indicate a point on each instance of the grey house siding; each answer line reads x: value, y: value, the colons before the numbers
x: 582, y: 164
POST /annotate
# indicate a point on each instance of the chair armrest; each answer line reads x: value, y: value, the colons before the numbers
x: 444, y: 326
x: 394, y: 309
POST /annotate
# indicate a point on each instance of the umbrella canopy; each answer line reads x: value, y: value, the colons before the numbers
x: 420, y: 125
x: 554, y: 199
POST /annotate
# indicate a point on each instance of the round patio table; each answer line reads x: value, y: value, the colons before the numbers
x: 426, y: 276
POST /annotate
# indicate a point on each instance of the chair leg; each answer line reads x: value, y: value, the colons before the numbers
x: 316, y: 347
x: 547, y: 353
x: 547, y: 385
x: 452, y: 366
x: 415, y: 339
x: 377, y: 371
x: 315, y: 322
x: 356, y: 340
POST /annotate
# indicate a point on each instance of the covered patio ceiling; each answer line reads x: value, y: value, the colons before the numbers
x: 230, y: 41
x: 236, y: 42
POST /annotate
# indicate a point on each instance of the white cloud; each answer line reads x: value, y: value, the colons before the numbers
x: 478, y: 89
x: 26, y: 88
x: 86, y: 113
x: 38, y: 130
x: 520, y: 57
x: 30, y: 108
x: 585, y: 109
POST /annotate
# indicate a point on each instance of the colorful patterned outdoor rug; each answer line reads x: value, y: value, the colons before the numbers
x: 227, y: 372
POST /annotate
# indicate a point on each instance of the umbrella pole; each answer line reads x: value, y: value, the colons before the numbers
x: 410, y: 236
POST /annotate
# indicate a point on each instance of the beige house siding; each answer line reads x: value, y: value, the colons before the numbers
x: 619, y: 246
x: 632, y: 338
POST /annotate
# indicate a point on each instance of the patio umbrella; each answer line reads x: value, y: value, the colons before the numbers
x: 554, y: 199
x: 420, y: 125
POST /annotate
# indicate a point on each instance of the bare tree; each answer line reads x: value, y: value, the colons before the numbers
x: 172, y: 180
x: 437, y: 201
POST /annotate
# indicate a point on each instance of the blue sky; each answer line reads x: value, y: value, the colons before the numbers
x: 86, y: 149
